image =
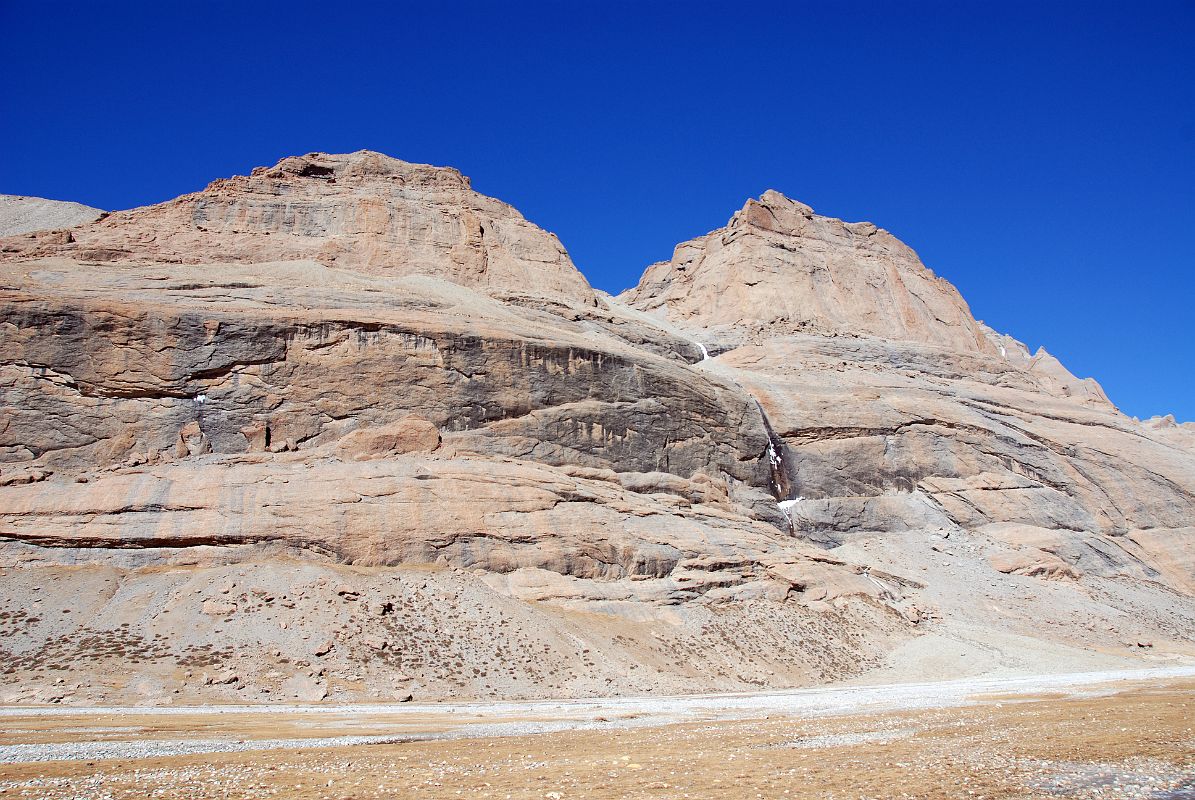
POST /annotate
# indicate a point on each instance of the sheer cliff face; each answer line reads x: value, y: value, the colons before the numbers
x: 347, y: 410
x: 364, y: 212
x: 779, y: 267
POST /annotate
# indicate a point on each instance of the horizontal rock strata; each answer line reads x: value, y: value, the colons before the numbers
x: 345, y: 429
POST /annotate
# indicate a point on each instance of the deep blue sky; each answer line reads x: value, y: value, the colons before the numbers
x: 1041, y: 156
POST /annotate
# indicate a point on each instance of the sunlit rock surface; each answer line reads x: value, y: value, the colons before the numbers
x: 346, y: 429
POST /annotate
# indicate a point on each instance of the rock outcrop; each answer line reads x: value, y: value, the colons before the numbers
x: 364, y: 212
x: 780, y: 268
x: 900, y: 419
x: 903, y: 401
x: 349, y: 412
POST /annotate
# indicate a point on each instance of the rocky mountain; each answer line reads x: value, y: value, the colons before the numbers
x: 364, y: 212
x: 778, y: 267
x: 28, y: 214
x: 345, y: 428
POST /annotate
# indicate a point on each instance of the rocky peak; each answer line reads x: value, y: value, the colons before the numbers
x: 774, y: 212
x: 363, y: 211
x: 361, y: 167
x: 779, y: 266
x: 1061, y: 382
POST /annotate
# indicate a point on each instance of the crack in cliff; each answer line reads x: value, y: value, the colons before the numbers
x: 135, y: 543
x: 781, y: 483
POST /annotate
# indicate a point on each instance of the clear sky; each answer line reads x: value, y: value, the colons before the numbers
x: 1039, y: 155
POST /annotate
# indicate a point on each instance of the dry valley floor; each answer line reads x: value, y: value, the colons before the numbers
x: 1129, y: 738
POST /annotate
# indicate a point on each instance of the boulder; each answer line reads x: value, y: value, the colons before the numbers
x: 192, y: 441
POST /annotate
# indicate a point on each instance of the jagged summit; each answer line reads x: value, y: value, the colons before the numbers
x: 776, y: 212
x: 778, y: 265
x: 361, y: 166
x: 362, y: 211
x: 772, y: 210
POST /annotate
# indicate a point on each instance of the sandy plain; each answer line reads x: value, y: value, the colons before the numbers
x: 1095, y: 735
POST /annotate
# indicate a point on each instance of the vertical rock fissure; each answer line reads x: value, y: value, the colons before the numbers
x: 782, y: 483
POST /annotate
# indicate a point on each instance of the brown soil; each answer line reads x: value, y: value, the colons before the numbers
x: 1139, y: 742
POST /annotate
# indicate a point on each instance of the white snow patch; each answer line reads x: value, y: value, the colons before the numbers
x: 786, y: 508
x: 775, y: 460
x: 200, y: 399
x: 773, y: 456
x: 1003, y: 352
x: 705, y: 354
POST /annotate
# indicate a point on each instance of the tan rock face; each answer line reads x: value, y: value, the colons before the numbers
x: 779, y: 267
x: 221, y: 359
x: 363, y: 211
x: 311, y: 434
x: 407, y: 435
